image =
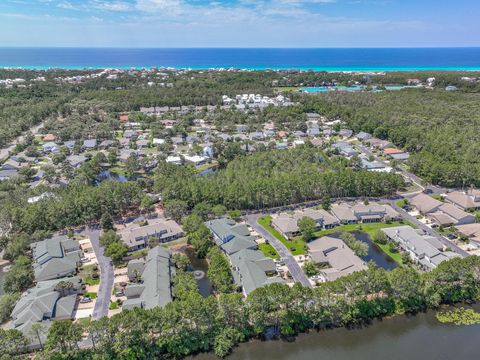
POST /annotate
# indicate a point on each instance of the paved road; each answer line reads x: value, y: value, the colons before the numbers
x: 106, y: 275
x: 293, y: 267
x: 5, y: 152
x: 429, y: 230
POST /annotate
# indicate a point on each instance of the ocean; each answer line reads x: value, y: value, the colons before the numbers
x: 328, y: 59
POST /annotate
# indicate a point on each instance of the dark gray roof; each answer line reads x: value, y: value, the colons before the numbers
x: 230, y: 236
x: 156, y: 276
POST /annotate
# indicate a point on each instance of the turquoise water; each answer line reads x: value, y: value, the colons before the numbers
x: 349, y: 88
x: 331, y: 59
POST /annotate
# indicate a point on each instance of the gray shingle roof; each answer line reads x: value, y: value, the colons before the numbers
x: 230, y: 236
x: 156, y: 276
x: 55, y: 257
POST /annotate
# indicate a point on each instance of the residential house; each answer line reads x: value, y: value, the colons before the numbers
x: 55, y: 257
x: 90, y: 144
x: 378, y: 143
x: 230, y: 236
x: 443, y: 214
x: 344, y: 213
x: 136, y: 235
x: 449, y: 214
x: 43, y: 303
x: 157, y: 141
x: 334, y: 253
x: 177, y: 160
x: 129, y: 134
x: 49, y: 147
x: 313, y: 116
x: 467, y: 200
x: 49, y: 138
x: 287, y: 224
x: 177, y: 140
x: 153, y: 280
x: 374, y: 213
x: 316, y: 142
x: 425, y: 204
x: 192, y: 139
x: 345, y: 133
x: 142, y: 143
x: 76, y: 160
x: 471, y: 231
x: 312, y: 132
x: 252, y: 270
x: 363, y: 136
x: 196, y: 160
x: 423, y: 249
x: 7, y: 174
x: 106, y: 144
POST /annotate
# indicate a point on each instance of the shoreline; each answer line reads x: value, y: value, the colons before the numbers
x: 353, y: 70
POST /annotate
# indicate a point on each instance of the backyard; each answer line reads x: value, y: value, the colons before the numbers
x: 297, y: 246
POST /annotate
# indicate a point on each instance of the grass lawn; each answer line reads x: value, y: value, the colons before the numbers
x: 437, y: 197
x: 396, y: 256
x: 181, y: 241
x: 268, y: 251
x: 84, y: 321
x: 86, y: 274
x: 91, y: 295
x: 401, y: 203
x: 118, y: 170
x: 114, y: 305
x: 370, y: 229
x: 298, y: 243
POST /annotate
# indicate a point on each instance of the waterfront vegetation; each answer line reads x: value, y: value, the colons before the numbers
x: 297, y: 245
x: 460, y: 316
x: 197, y: 324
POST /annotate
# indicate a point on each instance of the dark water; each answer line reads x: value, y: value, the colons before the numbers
x: 375, y: 254
x: 333, y: 59
x: 419, y: 337
x: 107, y: 175
x: 204, y: 284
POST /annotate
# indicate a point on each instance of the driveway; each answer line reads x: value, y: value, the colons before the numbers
x: 102, y: 302
x: 429, y: 230
x: 293, y: 267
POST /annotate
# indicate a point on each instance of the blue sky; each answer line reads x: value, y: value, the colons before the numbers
x: 240, y: 23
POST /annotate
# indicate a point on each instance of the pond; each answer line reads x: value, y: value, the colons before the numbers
x: 108, y: 175
x: 200, y: 268
x: 375, y: 254
x: 418, y: 337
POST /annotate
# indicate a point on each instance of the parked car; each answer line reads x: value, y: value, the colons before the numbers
x: 119, y: 294
x: 85, y: 300
x: 428, y: 191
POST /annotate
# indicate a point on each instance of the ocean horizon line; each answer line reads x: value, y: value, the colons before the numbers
x: 227, y: 67
x: 302, y: 59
